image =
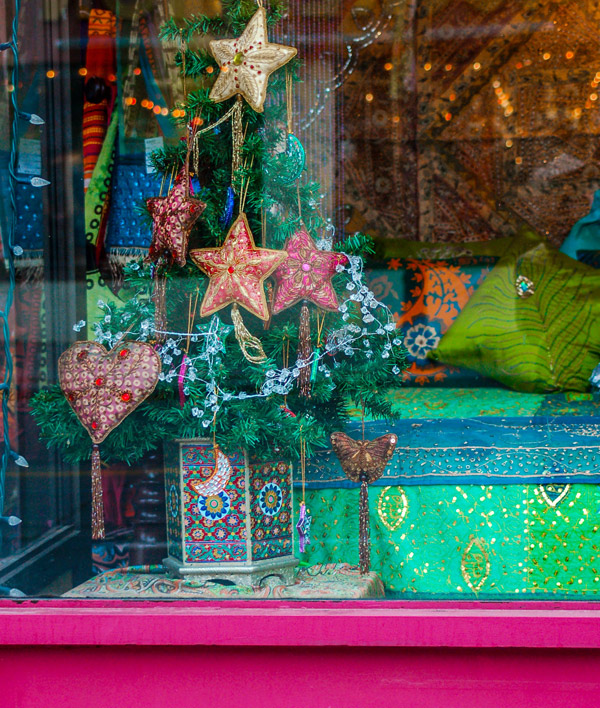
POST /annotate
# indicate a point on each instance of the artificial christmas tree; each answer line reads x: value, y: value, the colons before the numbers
x: 270, y: 384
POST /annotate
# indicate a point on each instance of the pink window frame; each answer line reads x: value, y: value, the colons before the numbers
x: 534, y: 625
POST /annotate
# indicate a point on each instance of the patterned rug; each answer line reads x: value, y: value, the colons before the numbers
x: 328, y: 581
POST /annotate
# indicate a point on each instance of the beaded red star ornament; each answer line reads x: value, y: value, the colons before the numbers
x: 173, y: 217
x: 237, y: 271
x: 103, y: 388
x: 306, y: 274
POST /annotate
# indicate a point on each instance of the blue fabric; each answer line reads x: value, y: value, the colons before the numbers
x: 521, y: 450
x: 128, y: 228
x: 30, y: 218
x: 585, y: 234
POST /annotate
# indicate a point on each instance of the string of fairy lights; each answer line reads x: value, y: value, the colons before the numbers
x: 11, y: 249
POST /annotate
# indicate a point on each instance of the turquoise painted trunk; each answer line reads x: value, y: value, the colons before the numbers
x: 229, y: 520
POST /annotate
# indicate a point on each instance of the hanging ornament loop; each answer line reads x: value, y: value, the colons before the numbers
x: 248, y: 342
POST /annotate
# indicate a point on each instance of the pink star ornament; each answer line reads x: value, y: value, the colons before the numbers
x: 237, y: 271
x: 173, y: 217
x: 306, y: 274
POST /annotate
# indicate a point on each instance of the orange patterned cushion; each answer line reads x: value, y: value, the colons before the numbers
x: 425, y: 297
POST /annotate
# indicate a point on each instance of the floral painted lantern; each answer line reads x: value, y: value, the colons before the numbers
x: 228, y: 519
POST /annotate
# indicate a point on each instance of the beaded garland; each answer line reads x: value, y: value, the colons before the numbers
x: 377, y: 321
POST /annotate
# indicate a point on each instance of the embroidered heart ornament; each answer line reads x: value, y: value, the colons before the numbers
x: 102, y: 387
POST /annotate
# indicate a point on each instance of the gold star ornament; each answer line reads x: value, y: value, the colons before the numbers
x: 247, y: 62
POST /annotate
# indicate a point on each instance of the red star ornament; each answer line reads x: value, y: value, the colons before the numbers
x: 237, y: 271
x: 173, y: 216
x: 306, y: 274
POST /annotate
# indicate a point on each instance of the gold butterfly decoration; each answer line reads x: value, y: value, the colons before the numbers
x: 363, y: 461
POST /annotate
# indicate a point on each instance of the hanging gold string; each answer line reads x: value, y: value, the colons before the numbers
x: 320, y: 325
x: 245, y: 183
x: 237, y: 137
x: 171, y: 178
x: 217, y: 123
x: 285, y: 359
x: 183, y: 68
x: 289, y: 100
x: 248, y: 342
x: 191, y: 318
x: 303, y: 465
x: 263, y: 227
x: 362, y: 417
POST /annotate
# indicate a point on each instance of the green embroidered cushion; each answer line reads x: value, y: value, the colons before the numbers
x: 533, y: 325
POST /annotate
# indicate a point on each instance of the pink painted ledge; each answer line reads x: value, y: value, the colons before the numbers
x: 535, y: 625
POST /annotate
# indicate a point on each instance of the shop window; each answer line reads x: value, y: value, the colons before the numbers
x: 300, y: 300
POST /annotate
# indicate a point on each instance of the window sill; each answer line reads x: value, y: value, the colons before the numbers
x: 538, y: 625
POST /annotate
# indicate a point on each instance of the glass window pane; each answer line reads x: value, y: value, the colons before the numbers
x: 299, y: 300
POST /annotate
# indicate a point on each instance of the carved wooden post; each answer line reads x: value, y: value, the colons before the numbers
x: 149, y: 543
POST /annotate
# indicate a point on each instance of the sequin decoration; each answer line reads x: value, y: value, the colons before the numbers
x: 475, y: 564
x: 524, y: 287
x: 173, y: 217
x: 554, y: 494
x: 218, y: 480
x: 392, y: 507
x: 306, y: 274
x: 237, y: 271
x: 94, y: 381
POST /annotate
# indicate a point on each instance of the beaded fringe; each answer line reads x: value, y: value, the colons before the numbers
x: 304, y: 352
x: 97, y: 503
x: 364, y: 538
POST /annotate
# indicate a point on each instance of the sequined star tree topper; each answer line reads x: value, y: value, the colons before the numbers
x: 247, y: 62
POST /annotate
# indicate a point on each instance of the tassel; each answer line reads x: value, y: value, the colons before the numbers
x: 159, y: 298
x: 97, y: 503
x: 304, y: 352
x: 364, y: 540
x: 246, y: 340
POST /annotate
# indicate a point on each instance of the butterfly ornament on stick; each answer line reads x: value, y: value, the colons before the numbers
x: 363, y: 461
